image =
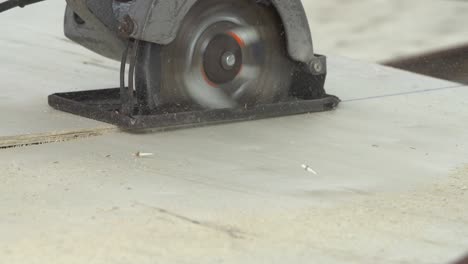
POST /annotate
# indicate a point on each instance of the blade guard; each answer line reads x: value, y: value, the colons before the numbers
x: 158, y: 21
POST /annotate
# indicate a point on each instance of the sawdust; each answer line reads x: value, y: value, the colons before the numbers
x: 425, y: 225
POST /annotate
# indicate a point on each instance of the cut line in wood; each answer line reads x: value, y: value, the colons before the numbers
x: 53, y: 137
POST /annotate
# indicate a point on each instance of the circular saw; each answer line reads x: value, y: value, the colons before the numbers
x: 193, y: 62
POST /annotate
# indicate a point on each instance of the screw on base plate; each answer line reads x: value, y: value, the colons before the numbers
x: 317, y: 66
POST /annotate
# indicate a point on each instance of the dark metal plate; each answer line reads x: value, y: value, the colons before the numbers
x: 103, y: 105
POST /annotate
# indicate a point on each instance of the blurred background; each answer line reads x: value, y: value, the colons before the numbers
x: 425, y: 36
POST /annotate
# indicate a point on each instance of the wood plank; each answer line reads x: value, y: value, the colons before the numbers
x: 391, y: 187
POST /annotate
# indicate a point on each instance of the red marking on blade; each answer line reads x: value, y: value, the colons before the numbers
x: 207, y: 80
x: 238, y: 39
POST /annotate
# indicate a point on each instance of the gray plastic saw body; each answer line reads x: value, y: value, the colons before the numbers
x: 99, y: 24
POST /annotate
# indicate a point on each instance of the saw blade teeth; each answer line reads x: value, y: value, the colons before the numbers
x: 227, y: 53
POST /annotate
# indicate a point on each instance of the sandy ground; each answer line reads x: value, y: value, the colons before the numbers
x: 370, y: 30
x: 378, y: 30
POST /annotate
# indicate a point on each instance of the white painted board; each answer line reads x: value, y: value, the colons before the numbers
x: 391, y: 183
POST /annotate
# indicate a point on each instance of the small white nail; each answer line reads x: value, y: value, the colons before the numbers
x: 309, y: 169
x: 143, y: 154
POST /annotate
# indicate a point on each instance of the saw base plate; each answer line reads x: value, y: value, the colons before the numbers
x: 104, y: 105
